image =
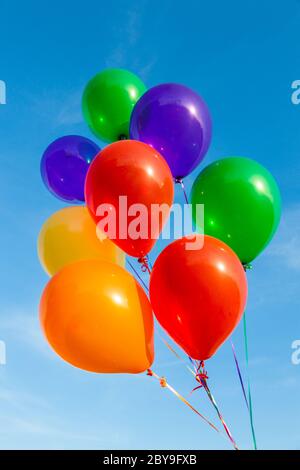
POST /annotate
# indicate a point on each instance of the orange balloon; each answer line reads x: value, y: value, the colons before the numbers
x: 139, y: 173
x: 98, y: 318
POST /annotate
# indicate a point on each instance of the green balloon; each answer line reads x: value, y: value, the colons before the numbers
x: 242, y: 205
x: 107, y: 103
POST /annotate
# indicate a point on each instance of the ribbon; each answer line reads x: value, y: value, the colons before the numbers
x: 239, y: 374
x: 200, y: 373
x: 164, y: 384
x: 247, y: 267
x: 249, y: 385
x: 201, y: 376
x: 180, y: 181
x: 149, y: 262
x: 137, y: 274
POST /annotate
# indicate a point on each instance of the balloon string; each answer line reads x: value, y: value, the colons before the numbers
x: 162, y: 380
x: 239, y: 374
x: 164, y: 384
x: 248, y: 266
x: 174, y: 352
x: 201, y: 377
x: 159, y: 335
x: 249, y: 385
x: 137, y: 274
x: 205, y: 374
x: 149, y: 262
x: 180, y: 181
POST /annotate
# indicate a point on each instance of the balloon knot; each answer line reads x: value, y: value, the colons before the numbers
x: 163, y: 382
x: 149, y: 372
x: 178, y: 180
x: 122, y: 137
x: 247, y: 266
x: 144, y: 264
x: 201, y: 375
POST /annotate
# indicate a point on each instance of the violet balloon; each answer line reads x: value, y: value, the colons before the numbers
x: 176, y: 122
x: 65, y: 164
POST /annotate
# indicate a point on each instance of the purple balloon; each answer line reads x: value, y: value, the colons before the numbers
x: 176, y: 122
x: 65, y: 164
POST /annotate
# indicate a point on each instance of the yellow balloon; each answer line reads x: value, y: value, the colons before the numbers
x: 70, y: 235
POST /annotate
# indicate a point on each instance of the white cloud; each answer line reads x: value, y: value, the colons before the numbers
x: 127, y: 36
x: 146, y: 69
x: 126, y: 39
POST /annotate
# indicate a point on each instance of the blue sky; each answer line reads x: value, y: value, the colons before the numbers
x: 242, y: 58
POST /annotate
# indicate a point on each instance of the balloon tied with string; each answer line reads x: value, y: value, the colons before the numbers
x: 98, y: 316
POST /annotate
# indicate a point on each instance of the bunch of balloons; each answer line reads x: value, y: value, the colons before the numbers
x: 94, y: 313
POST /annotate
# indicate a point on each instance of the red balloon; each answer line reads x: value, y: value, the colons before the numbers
x: 198, y: 296
x: 137, y: 171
